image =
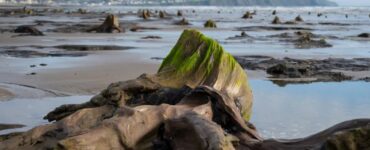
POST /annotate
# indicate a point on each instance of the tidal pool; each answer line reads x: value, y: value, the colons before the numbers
x: 299, y: 110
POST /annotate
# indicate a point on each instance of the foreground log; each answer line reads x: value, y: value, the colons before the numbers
x: 110, y: 25
x: 199, y: 99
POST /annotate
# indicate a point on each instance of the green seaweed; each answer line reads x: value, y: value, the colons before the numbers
x: 199, y: 60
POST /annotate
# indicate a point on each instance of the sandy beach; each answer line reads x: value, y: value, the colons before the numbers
x: 68, y: 63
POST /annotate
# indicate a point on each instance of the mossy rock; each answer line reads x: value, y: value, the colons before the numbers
x: 210, y: 24
x: 199, y: 60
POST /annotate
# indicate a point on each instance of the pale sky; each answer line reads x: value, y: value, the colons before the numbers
x: 352, y: 2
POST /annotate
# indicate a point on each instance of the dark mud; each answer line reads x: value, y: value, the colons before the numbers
x: 271, y: 28
x: 151, y: 37
x: 33, y: 54
x: 10, y: 126
x: 28, y: 30
x: 314, y: 70
x: 91, y: 47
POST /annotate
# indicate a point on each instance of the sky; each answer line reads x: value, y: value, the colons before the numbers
x: 352, y: 2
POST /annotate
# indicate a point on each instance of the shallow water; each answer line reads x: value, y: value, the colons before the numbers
x: 30, y: 112
x: 299, y: 110
x: 292, y: 111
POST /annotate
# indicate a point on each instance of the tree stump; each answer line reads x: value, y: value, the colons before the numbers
x: 210, y: 24
x: 247, y: 15
x: 110, y: 25
x: 276, y: 20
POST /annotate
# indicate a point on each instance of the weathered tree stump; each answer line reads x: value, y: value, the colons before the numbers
x: 247, y: 15
x: 110, y: 25
x: 276, y: 20
x: 298, y: 18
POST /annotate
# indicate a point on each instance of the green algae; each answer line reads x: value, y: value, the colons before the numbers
x: 210, y: 24
x: 199, y: 60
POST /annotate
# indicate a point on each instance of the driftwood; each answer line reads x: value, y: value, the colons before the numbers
x: 199, y: 99
x: 111, y: 24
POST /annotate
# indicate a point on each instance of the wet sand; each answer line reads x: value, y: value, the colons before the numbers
x: 73, y: 73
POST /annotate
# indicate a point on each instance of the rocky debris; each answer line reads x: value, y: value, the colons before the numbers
x: 276, y: 20
x: 306, y: 42
x: 210, y: 24
x: 28, y: 30
x: 110, y: 25
x: 182, y: 22
x: 364, y: 35
x: 247, y: 15
x: 139, y: 28
x: 331, y: 69
x: 242, y: 35
x: 319, y: 14
x: 91, y: 47
x: 200, y: 95
x: 151, y: 37
x: 298, y: 18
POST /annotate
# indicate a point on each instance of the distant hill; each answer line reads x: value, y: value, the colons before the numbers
x: 271, y: 3
x: 191, y: 2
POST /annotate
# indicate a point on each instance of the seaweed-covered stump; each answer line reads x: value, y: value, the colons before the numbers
x: 210, y: 24
x: 110, y: 25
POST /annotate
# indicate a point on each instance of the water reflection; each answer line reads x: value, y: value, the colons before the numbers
x: 299, y: 110
x: 30, y: 111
